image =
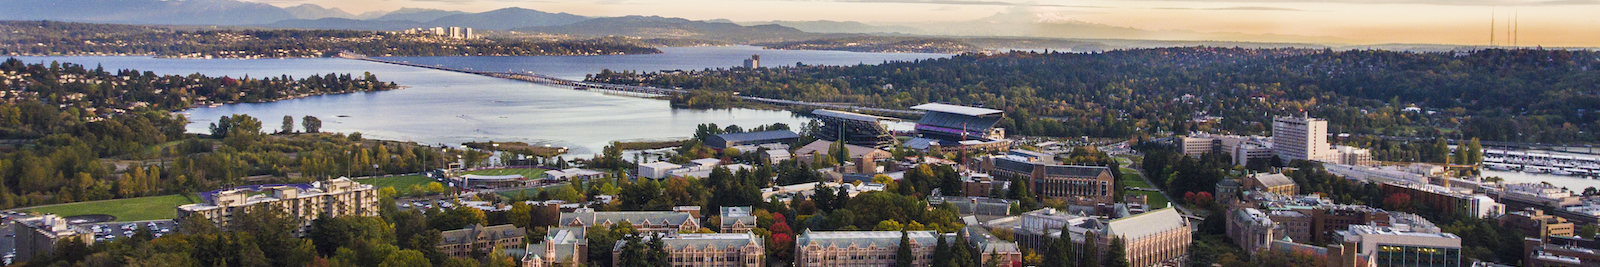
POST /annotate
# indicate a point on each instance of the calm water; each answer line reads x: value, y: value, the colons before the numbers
x: 1570, y: 182
x: 451, y: 108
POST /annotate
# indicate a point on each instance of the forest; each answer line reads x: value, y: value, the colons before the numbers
x: 1522, y: 95
x: 50, y: 38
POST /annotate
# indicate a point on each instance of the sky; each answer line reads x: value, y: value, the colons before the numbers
x: 1462, y: 22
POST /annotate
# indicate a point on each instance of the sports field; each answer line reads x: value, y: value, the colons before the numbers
x: 401, y: 184
x: 128, y: 209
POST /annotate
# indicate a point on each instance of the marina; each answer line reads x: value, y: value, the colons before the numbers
x: 1535, y: 161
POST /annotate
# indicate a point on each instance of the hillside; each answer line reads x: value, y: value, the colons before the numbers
x: 676, y: 28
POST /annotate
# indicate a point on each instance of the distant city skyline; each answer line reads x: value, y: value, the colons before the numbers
x: 1547, y: 23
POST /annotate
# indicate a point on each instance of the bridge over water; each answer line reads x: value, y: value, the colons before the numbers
x: 582, y: 85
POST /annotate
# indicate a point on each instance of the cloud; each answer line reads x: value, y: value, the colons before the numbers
x: 947, y: 8
x: 1236, y: 8
x: 1422, y: 2
x: 953, y: 2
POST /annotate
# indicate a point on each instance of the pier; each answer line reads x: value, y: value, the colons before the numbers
x: 582, y: 85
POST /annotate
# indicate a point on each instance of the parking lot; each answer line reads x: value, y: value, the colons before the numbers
x: 113, y: 230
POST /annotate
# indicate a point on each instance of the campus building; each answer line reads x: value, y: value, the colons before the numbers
x: 1275, y: 183
x: 989, y: 247
x: 861, y: 248
x: 1387, y: 246
x: 1156, y: 238
x: 1534, y: 223
x: 37, y: 237
x: 1252, y: 229
x: 304, y: 202
x: 1041, y: 227
x: 736, y: 220
x: 1561, y: 251
x: 644, y: 221
x: 481, y: 239
x: 562, y: 246
x: 1047, y: 179
x: 707, y: 250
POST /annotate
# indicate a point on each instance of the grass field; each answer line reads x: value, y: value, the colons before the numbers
x: 1155, y: 199
x: 528, y: 173
x: 401, y: 184
x: 1131, y: 178
x: 129, y: 209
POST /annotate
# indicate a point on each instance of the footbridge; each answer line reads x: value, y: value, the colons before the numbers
x: 582, y: 85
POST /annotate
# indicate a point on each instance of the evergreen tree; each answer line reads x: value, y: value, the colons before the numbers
x: 1116, y: 255
x: 1091, y: 252
x: 903, y: 256
x: 941, y: 251
x: 960, y: 255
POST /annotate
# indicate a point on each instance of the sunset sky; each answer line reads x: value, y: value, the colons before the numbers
x: 1465, y: 22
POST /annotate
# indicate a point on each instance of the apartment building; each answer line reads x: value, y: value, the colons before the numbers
x: 305, y: 202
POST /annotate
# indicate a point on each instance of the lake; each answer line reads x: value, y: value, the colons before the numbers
x: 440, y: 107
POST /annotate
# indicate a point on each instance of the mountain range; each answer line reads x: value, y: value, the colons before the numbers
x: 676, y: 28
x: 997, y: 31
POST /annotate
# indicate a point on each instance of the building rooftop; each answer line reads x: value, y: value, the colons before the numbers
x: 863, y: 239
x: 848, y: 115
x: 1272, y: 180
x: 1147, y: 224
x: 963, y: 110
x: 758, y: 136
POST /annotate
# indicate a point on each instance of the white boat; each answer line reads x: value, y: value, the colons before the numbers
x: 1560, y: 172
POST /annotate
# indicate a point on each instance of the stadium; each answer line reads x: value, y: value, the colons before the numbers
x: 949, y: 128
x: 854, y: 128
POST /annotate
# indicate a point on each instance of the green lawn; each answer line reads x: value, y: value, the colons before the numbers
x: 1130, y: 178
x: 1154, y: 199
x: 401, y: 184
x: 128, y: 209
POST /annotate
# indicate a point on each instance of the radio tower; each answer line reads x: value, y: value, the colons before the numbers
x: 1491, y: 27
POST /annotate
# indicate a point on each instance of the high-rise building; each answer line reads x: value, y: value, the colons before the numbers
x: 455, y: 32
x: 467, y: 33
x: 305, y: 202
x: 1302, y: 137
x: 753, y: 62
x: 38, y: 236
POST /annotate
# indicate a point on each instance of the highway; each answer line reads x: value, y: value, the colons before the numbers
x: 581, y: 85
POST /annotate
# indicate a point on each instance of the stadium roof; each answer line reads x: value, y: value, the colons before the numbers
x: 848, y: 115
x: 758, y: 136
x: 963, y: 110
